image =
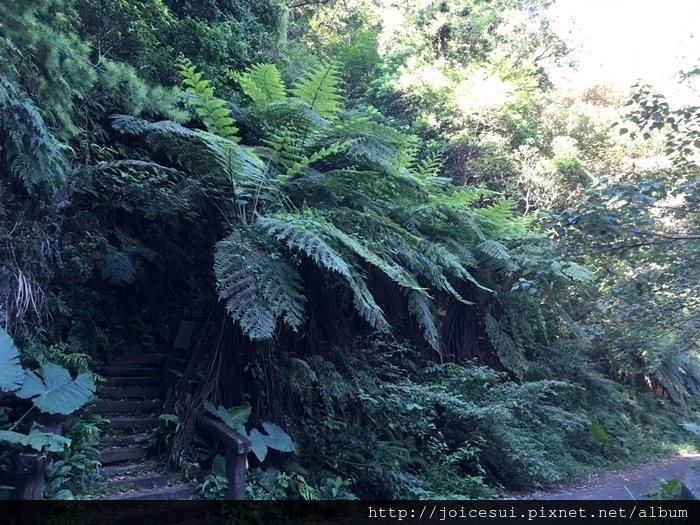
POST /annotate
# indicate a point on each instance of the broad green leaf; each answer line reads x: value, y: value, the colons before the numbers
x: 234, y: 417
x: 597, y: 432
x: 239, y: 415
x: 37, y: 440
x: 11, y: 372
x: 218, y: 466
x: 219, y: 412
x: 52, y: 390
x: 671, y: 486
x: 258, y: 444
x: 277, y: 438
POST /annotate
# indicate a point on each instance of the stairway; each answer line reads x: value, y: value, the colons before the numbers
x: 131, y: 400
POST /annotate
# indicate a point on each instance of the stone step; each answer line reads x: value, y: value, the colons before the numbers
x: 126, y: 392
x: 121, y: 406
x: 135, y: 381
x: 131, y: 470
x: 174, y: 492
x: 109, y: 456
x: 131, y: 422
x: 142, y: 359
x: 129, y: 371
x: 123, y: 440
x: 137, y: 483
x: 176, y: 364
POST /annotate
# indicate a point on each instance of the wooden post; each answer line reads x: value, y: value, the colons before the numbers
x: 30, y: 475
x: 237, y: 447
x: 235, y: 473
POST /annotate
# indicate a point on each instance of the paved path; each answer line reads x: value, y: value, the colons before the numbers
x: 627, y: 484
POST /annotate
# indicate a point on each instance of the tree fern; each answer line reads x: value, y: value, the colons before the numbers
x: 319, y: 89
x: 346, y: 193
x: 213, y: 111
x: 294, y: 233
x: 262, y: 83
x: 257, y: 289
x: 419, y: 306
x: 508, y: 352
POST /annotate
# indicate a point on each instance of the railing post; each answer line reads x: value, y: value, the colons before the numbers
x: 30, y: 475
x: 237, y: 448
x: 235, y: 473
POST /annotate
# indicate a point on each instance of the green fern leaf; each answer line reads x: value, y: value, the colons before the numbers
x: 297, y: 236
x: 508, y: 352
x: 257, y: 289
x: 32, y: 152
x: 495, y: 255
x: 262, y: 83
x: 213, y: 112
x: 118, y: 268
x: 319, y: 89
x: 419, y: 306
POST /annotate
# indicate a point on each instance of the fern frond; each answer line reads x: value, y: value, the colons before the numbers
x: 508, y: 353
x: 298, y: 235
x: 442, y: 258
x: 133, y: 246
x: 220, y: 161
x: 495, y: 255
x: 375, y: 144
x: 33, y: 154
x: 257, y: 288
x: 318, y: 224
x: 137, y: 126
x: 118, y: 267
x: 302, y: 376
x: 283, y: 289
x: 304, y: 162
x: 319, y: 89
x: 331, y: 385
x: 262, y: 83
x: 419, y: 306
x: 238, y: 164
x: 213, y: 111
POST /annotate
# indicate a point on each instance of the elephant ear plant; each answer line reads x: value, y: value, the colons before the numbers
x: 51, y: 389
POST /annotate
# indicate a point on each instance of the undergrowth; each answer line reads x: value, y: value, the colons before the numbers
x: 390, y: 429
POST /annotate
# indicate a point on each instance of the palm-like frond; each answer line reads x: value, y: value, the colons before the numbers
x: 320, y: 90
x: 262, y: 83
x: 298, y: 235
x: 258, y: 289
x: 419, y: 306
x: 213, y: 111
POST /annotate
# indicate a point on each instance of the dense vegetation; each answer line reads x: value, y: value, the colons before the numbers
x: 440, y: 274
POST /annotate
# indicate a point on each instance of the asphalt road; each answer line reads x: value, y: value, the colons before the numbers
x: 629, y: 484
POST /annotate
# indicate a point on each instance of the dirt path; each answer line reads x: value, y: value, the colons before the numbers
x: 627, y: 484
